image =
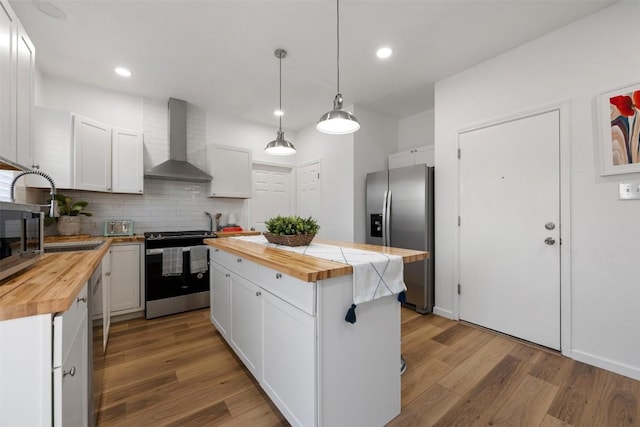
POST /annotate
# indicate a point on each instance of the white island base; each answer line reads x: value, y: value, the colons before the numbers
x: 318, y: 369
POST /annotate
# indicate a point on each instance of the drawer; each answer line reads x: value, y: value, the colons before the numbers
x: 241, y: 266
x: 65, y: 326
x: 296, y: 292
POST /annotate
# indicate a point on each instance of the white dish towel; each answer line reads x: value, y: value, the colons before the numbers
x: 172, y: 261
x: 199, y: 255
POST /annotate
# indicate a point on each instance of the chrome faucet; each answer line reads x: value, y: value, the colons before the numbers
x: 53, y: 206
x: 210, y: 222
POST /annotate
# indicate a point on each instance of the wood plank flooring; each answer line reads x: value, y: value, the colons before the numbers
x: 178, y: 371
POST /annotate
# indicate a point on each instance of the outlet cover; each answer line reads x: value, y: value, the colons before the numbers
x: 629, y: 191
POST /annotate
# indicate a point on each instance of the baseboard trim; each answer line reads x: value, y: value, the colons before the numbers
x: 609, y: 365
x: 442, y: 312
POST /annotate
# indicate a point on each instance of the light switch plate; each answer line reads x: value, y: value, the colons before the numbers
x: 629, y: 190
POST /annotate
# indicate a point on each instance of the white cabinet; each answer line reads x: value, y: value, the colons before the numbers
x: 126, y: 290
x: 415, y: 156
x: 246, y: 323
x: 219, y: 298
x: 17, y: 72
x: 288, y: 371
x: 106, y: 298
x: 231, y: 171
x: 91, y: 154
x: 127, y: 157
x: 53, y: 148
x: 70, y: 364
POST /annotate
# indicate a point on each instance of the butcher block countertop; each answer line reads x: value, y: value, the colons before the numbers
x: 52, y: 283
x: 305, y: 267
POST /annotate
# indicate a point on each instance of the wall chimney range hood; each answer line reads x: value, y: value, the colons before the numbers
x: 177, y: 168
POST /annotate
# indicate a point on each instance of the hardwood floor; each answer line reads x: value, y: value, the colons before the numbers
x: 178, y: 371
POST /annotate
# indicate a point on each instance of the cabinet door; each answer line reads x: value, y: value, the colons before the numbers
x: 92, y: 154
x: 25, y: 74
x: 424, y: 155
x: 402, y: 159
x: 7, y: 88
x: 52, y: 150
x: 246, y: 323
x: 289, y: 370
x: 231, y: 171
x: 128, y: 170
x: 70, y: 382
x: 220, y: 298
x: 125, y: 279
x: 106, y: 298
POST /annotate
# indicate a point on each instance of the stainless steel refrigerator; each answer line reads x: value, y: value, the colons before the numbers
x: 400, y: 214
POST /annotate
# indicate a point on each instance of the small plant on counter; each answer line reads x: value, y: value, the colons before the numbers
x: 290, y: 225
x: 66, y: 206
x: 291, y: 230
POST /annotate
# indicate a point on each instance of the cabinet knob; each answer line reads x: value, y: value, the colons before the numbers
x: 239, y: 260
x: 217, y: 250
x: 70, y: 372
x: 35, y: 166
x: 108, y: 188
x: 258, y: 293
x: 278, y: 276
x: 83, y: 299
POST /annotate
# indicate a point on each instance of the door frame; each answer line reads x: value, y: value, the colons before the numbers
x: 563, y: 108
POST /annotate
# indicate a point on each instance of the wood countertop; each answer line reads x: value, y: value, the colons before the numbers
x: 52, y: 283
x: 305, y: 267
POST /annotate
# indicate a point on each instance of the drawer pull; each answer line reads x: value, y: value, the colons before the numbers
x: 70, y: 372
x: 278, y: 275
x: 227, y: 275
x: 83, y: 299
x: 239, y: 260
x: 217, y: 250
x: 258, y: 293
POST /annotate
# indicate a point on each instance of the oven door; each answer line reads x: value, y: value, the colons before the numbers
x: 158, y: 286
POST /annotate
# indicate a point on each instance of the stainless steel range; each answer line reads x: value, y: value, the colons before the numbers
x: 177, y: 272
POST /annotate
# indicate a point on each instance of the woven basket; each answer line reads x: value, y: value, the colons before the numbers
x: 289, y: 240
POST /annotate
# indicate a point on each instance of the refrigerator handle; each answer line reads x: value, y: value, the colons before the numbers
x: 384, y: 218
x: 387, y: 225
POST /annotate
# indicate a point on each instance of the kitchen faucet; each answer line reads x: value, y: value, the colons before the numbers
x: 53, y: 206
x: 210, y: 222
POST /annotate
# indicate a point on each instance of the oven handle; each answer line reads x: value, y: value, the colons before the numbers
x: 159, y: 251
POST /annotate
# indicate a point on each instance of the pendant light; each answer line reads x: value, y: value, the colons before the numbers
x: 280, y: 146
x: 338, y: 120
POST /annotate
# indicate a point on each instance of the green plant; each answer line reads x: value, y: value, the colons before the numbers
x: 289, y: 225
x: 66, y: 206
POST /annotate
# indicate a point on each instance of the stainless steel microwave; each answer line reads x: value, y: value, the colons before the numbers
x: 21, y: 237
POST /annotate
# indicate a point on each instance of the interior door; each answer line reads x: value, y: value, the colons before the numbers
x: 309, y: 190
x: 509, y: 228
x: 271, y: 194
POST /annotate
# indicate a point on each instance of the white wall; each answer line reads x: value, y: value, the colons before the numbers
x: 574, y: 63
x: 416, y: 131
x: 336, y: 155
x: 373, y: 142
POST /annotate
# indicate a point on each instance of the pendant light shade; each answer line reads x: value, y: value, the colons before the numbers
x: 280, y: 146
x: 338, y: 120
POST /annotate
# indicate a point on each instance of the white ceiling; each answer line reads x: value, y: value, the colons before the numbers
x: 218, y: 54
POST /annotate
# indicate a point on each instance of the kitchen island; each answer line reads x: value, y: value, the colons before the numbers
x: 283, y: 314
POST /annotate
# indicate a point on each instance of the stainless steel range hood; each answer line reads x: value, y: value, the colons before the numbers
x: 177, y: 168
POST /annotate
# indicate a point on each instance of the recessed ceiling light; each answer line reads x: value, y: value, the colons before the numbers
x: 384, y: 52
x: 123, y: 72
x: 278, y: 113
x: 49, y: 9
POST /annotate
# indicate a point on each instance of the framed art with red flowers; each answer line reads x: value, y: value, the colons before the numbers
x: 619, y: 113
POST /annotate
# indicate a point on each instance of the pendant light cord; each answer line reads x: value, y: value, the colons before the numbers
x: 338, y: 41
x: 280, y: 107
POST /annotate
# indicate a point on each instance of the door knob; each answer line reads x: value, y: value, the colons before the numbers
x: 549, y: 240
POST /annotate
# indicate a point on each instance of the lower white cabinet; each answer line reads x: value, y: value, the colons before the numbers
x: 246, y: 322
x: 219, y: 298
x: 126, y: 284
x: 44, y: 366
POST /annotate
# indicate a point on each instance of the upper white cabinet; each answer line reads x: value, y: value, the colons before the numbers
x: 91, y: 154
x: 53, y: 148
x: 17, y: 71
x: 231, y: 171
x: 127, y: 158
x: 415, y: 156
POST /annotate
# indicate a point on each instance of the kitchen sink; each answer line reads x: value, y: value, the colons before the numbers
x: 88, y: 245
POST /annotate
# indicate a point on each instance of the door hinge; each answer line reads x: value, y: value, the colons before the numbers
x: 318, y: 175
x: 459, y: 289
x: 458, y: 220
x: 459, y: 153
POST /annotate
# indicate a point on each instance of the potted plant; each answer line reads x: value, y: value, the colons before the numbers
x: 291, y: 230
x: 70, y: 211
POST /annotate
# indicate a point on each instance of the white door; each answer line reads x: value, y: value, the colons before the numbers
x: 309, y: 190
x: 271, y: 194
x: 509, y: 260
